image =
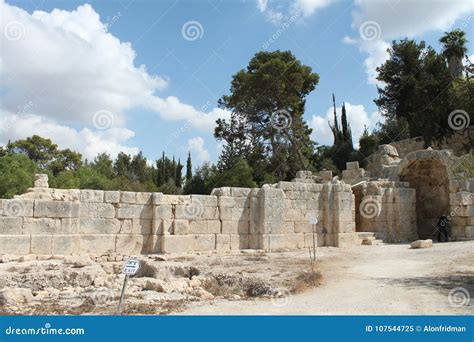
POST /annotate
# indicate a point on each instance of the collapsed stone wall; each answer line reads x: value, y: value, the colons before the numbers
x: 274, y: 217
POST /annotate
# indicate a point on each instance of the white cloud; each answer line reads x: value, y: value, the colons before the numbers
x: 196, y: 146
x: 64, y: 67
x: 399, y: 19
x: 357, y: 117
x: 348, y: 40
x: 304, y: 8
x: 88, y: 142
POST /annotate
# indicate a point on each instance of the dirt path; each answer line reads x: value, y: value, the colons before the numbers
x: 374, y: 280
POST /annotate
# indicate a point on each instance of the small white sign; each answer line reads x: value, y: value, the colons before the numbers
x: 313, y: 220
x: 131, y: 266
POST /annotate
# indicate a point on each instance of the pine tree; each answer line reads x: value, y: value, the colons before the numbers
x: 178, y: 178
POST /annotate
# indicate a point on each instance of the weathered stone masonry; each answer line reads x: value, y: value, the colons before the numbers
x: 57, y: 221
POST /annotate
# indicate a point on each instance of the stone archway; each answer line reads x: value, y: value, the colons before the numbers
x: 429, y: 175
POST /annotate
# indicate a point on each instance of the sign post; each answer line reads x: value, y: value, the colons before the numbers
x: 314, y: 221
x: 130, y: 267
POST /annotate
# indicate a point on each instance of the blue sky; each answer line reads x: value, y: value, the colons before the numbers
x: 157, y: 87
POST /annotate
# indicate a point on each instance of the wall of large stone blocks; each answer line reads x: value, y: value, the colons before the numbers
x: 274, y: 217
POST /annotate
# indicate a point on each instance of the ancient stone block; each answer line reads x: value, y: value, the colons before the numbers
x: 223, y: 242
x: 144, y: 198
x: 41, y: 244
x: 97, y: 210
x: 56, y: 209
x: 180, y: 227
x: 461, y: 198
x: 204, y: 200
x: 205, y: 227
x: 99, y: 226
x: 70, y: 225
x: 163, y: 211
x: 422, y: 243
x: 176, y: 243
x: 112, y: 196
x: 203, y: 242
x: 41, y: 181
x: 242, y: 241
x: 15, y: 244
x: 41, y: 226
x: 16, y: 207
x: 225, y: 213
x: 125, y: 226
x: 135, y: 211
x: 130, y: 244
x: 92, y: 196
x: 97, y: 243
x: 154, y: 244
x: 240, y: 192
x: 470, y: 232
x: 346, y: 239
x: 157, y: 198
x: 66, y: 244
x: 128, y: 197
x: 141, y: 226
x: 235, y: 227
x: 162, y: 227
x: 11, y: 225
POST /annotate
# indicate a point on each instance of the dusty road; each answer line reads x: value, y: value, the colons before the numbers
x: 374, y: 280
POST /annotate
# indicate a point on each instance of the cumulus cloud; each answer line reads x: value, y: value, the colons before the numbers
x: 64, y: 67
x: 357, y: 117
x: 377, y: 22
x: 196, y: 146
x: 88, y: 142
x: 279, y: 11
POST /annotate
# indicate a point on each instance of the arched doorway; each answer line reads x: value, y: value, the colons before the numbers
x: 429, y: 177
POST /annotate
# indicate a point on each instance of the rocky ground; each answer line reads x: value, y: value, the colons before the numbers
x: 45, y: 285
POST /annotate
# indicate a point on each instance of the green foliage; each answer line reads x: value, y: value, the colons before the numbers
x: 273, y: 82
x: 368, y: 143
x: 454, y: 50
x: 17, y: 174
x: 40, y: 150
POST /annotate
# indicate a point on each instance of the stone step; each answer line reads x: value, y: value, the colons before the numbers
x: 363, y: 235
x: 369, y: 241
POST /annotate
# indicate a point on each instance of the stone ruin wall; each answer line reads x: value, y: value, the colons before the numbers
x: 461, y: 142
x: 274, y: 217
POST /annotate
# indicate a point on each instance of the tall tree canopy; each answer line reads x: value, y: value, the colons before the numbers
x: 266, y: 128
x: 454, y: 50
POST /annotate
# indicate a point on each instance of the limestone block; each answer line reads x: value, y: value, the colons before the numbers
x: 268, y: 192
x: 154, y: 244
x: 284, y: 228
x: 204, y: 200
x: 240, y: 214
x: 202, y: 242
x: 297, y: 186
x: 285, y: 186
x: 56, y: 209
x: 164, y: 212
x: 224, y: 191
x: 97, y: 210
x: 97, y: 243
x: 346, y: 239
x: 99, y: 226
x: 205, y: 227
x: 92, y: 196
x: 135, y: 211
x: 240, y: 192
x: 141, y: 226
x: 41, y: 226
x: 461, y: 198
x: 304, y: 227
x: 41, y: 244
x: 470, y: 232
x: 344, y: 226
x: 111, y: 196
x: 162, y: 227
x: 225, y: 213
x: 235, y: 227
x: 41, y: 181
x: 211, y: 213
x: 130, y: 244
x: 157, y: 198
x: 66, y: 244
x: 276, y: 242
x: 422, y: 243
x: 125, y: 226
x: 11, y: 225
x: 235, y: 202
x: 144, y: 197
x: 314, y: 187
x: 223, y: 242
x: 326, y: 175
x: 180, y: 227
x: 70, y: 225
x: 176, y: 200
x: 241, y: 241
x: 128, y: 197
x: 15, y: 244
x: 176, y: 243
x: 16, y: 207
